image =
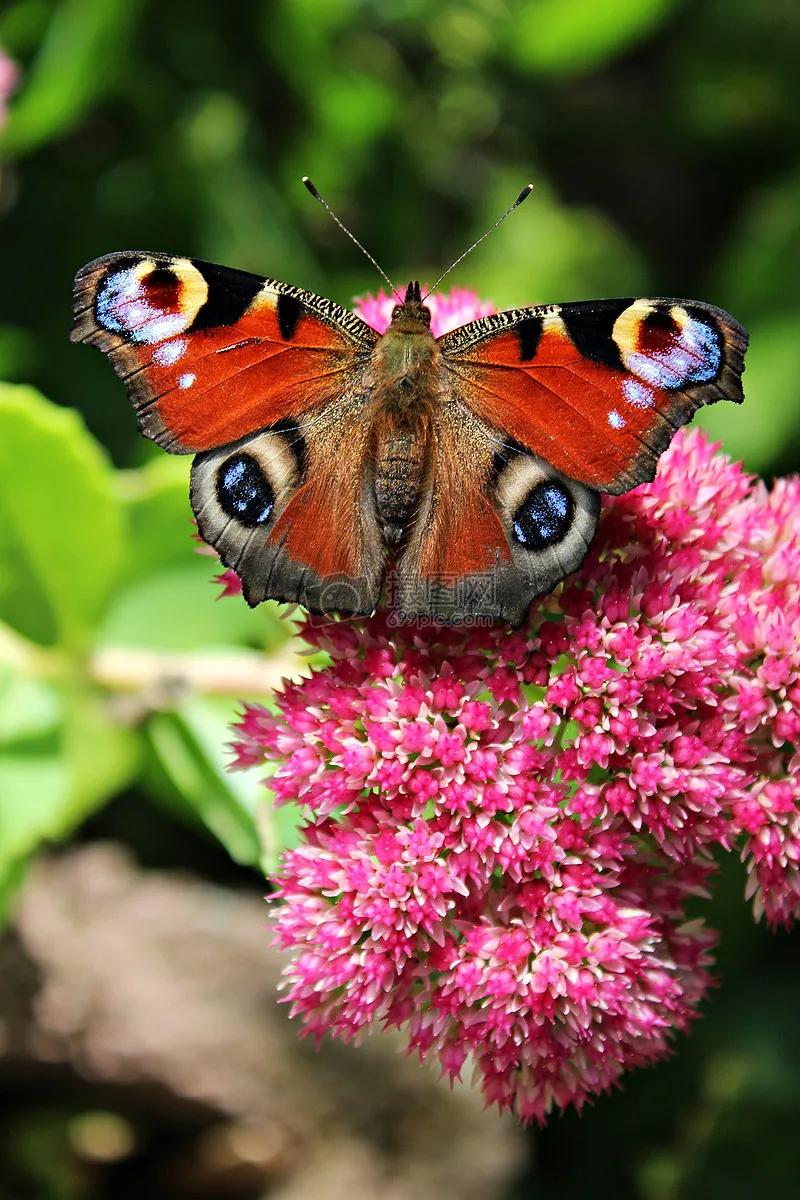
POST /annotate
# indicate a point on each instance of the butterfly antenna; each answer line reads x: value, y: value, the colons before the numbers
x: 310, y: 186
x: 526, y: 191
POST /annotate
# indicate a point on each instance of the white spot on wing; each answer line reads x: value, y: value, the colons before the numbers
x: 637, y: 393
x: 186, y: 380
x: 616, y: 419
x: 170, y: 352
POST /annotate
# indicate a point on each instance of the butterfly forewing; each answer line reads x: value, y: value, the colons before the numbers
x: 597, y: 389
x: 210, y: 355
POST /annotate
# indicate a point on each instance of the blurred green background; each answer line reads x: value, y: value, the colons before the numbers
x: 663, y: 137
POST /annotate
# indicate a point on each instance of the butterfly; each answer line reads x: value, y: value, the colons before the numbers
x: 461, y: 475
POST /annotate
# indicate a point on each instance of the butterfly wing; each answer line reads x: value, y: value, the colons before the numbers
x: 256, y: 377
x: 209, y: 354
x: 546, y: 408
x: 288, y: 510
x: 496, y: 526
x: 599, y: 388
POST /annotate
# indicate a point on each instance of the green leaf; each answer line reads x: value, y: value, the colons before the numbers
x: 190, y: 754
x: 34, y: 787
x: 12, y: 876
x: 103, y: 755
x: 180, y: 609
x: 559, y: 36
x: 61, y: 756
x: 61, y: 526
x: 159, y: 516
x: 188, y: 748
x: 168, y: 572
x: 22, y: 26
x: 29, y: 708
x: 281, y: 827
x: 84, y: 46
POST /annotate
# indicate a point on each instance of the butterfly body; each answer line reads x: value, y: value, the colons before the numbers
x: 405, y: 371
x: 456, y: 476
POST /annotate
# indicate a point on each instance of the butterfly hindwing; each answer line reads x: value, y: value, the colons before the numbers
x: 496, y: 526
x: 287, y: 510
x: 209, y: 354
x: 598, y: 388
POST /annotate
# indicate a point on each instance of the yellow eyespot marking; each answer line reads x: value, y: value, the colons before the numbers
x: 552, y: 323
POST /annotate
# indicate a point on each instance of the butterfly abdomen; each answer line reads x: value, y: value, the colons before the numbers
x: 406, y: 373
x: 399, y: 454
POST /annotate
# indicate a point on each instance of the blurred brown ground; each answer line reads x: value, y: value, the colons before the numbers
x: 145, y: 1003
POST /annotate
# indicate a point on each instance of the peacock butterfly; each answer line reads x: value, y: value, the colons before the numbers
x: 329, y: 459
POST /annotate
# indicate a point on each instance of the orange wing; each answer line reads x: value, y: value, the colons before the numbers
x: 211, y: 355
x: 268, y: 384
x: 597, y: 389
x: 288, y: 511
x: 495, y: 526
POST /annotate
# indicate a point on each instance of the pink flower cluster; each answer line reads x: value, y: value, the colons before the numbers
x: 509, y: 832
x: 448, y: 309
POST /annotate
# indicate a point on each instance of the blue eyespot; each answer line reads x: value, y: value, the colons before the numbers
x: 545, y: 516
x: 243, y: 490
